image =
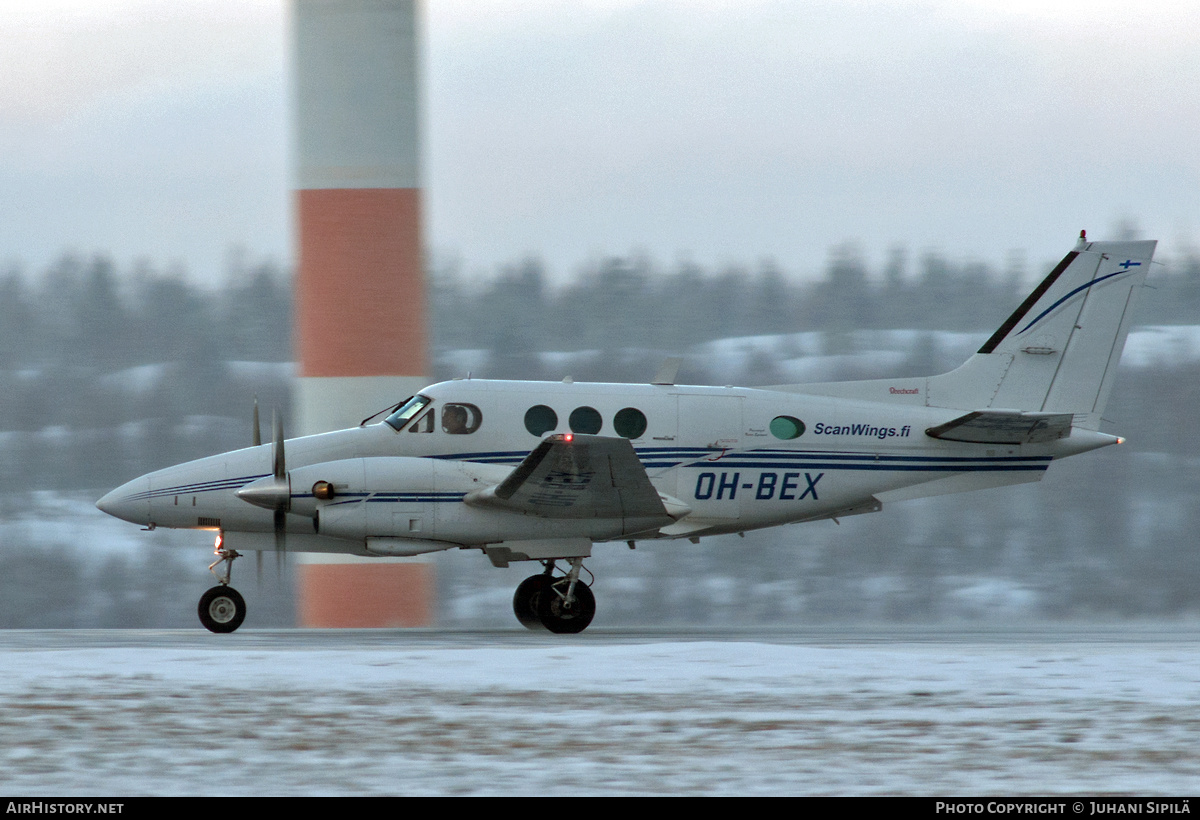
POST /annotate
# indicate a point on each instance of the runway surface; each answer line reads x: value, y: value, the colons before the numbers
x: 829, y: 710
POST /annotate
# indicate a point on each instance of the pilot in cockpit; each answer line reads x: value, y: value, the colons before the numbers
x: 454, y: 419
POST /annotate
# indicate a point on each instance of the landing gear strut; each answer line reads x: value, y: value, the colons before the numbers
x: 564, y: 605
x: 222, y: 608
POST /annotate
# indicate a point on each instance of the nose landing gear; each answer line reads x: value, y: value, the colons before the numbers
x: 565, y: 605
x: 222, y: 608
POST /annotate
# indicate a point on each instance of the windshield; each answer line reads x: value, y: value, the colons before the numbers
x: 410, y: 408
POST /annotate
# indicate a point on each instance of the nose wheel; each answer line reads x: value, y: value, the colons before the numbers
x: 222, y: 608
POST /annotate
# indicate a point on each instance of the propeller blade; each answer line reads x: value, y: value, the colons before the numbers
x: 280, y: 531
x: 257, y: 433
x: 274, y: 493
x: 277, y: 449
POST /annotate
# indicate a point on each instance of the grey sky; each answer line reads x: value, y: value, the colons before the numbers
x: 713, y: 131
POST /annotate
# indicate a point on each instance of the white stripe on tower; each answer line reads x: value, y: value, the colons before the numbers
x: 360, y: 286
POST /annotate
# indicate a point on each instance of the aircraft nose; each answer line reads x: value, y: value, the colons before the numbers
x: 129, y: 502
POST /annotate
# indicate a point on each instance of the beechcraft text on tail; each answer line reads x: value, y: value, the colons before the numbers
x: 545, y: 471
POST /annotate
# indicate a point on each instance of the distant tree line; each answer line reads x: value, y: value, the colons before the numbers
x: 106, y: 374
x: 621, y: 304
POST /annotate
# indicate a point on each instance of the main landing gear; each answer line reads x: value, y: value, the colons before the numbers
x: 563, y: 605
x: 222, y: 608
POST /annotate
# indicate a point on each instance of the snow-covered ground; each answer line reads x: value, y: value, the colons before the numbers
x: 265, y: 714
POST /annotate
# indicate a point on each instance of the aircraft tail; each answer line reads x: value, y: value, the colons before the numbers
x: 1058, y: 352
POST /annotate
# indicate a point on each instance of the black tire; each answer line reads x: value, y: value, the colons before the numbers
x: 222, y: 609
x: 567, y: 619
x: 525, y: 601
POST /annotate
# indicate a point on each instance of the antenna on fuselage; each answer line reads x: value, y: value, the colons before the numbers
x: 668, y: 371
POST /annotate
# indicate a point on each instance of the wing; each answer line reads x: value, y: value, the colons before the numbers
x: 1004, y: 427
x: 577, y: 476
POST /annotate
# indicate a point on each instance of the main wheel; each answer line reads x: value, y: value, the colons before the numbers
x: 222, y: 609
x: 557, y: 615
x: 525, y: 601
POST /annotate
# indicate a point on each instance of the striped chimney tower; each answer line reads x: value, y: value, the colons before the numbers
x: 360, y: 288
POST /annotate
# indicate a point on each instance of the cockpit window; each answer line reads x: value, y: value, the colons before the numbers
x: 413, y: 406
x: 459, y: 419
x: 423, y: 424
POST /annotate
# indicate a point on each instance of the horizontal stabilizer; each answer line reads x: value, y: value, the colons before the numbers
x: 1004, y: 427
x: 577, y: 476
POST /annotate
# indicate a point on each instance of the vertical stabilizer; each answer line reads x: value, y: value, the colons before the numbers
x: 1059, y: 350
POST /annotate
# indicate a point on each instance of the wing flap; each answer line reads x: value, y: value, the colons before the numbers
x: 1005, y: 427
x: 577, y: 476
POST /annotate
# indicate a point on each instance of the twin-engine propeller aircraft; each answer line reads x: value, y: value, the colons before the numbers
x: 541, y: 471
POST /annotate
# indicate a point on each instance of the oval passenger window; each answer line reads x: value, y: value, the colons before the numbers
x: 540, y: 419
x: 585, y: 420
x: 787, y: 427
x: 630, y: 422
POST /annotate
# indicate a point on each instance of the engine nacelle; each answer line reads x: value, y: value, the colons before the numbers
x: 381, y: 499
x: 343, y: 497
x: 386, y: 498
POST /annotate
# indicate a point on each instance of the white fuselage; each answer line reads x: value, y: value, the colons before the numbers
x: 723, y: 459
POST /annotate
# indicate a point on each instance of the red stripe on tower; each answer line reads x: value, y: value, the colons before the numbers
x: 360, y: 287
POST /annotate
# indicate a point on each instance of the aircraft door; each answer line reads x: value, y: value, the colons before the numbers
x: 710, y: 426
